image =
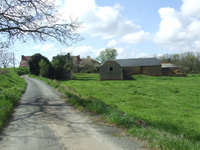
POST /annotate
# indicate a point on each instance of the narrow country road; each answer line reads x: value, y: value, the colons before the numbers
x: 44, y: 121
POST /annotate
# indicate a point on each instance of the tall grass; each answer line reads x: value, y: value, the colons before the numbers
x: 11, y: 88
x: 162, y: 110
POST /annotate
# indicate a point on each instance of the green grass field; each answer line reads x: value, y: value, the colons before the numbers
x: 11, y: 88
x: 169, y: 105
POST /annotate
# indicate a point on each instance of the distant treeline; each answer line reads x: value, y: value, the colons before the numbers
x: 188, y: 62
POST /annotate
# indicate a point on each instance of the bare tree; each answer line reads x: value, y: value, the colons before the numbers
x: 6, y: 58
x: 35, y: 19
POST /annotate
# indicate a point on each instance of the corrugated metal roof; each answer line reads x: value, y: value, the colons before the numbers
x: 137, y: 62
x: 168, y: 65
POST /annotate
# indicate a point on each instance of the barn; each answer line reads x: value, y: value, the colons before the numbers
x: 119, y: 68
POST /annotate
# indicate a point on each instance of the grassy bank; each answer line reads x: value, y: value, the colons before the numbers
x: 162, y: 110
x: 11, y: 88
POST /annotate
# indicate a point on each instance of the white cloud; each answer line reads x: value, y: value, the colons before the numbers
x: 34, y: 47
x: 105, y: 22
x: 137, y: 37
x: 118, y: 7
x: 83, y: 51
x: 112, y: 43
x: 37, y: 47
x: 140, y: 55
x: 191, y: 8
x: 179, y: 30
x: 47, y: 47
x: 132, y: 38
x: 122, y: 53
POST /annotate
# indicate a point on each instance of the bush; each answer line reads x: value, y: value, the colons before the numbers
x: 22, y: 71
x: 34, y: 64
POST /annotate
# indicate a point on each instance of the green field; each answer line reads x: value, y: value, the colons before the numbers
x: 169, y: 105
x: 11, y: 88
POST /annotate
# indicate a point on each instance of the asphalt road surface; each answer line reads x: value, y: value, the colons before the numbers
x: 44, y: 121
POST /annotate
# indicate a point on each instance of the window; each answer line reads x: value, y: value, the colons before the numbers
x: 111, y: 68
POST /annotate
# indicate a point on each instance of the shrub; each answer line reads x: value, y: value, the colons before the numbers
x: 22, y: 71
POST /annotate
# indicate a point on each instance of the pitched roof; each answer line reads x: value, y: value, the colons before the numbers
x: 27, y: 57
x: 24, y: 61
x: 168, y: 65
x: 92, y: 60
x: 137, y: 62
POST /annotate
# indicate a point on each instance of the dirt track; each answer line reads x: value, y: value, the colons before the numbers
x: 43, y: 121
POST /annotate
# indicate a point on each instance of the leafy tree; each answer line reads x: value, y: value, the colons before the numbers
x: 189, y: 62
x: 62, y: 65
x: 44, y: 68
x: 35, y: 19
x: 34, y: 63
x: 108, y: 53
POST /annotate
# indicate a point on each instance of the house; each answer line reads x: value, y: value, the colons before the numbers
x: 78, y: 63
x: 24, y: 61
x: 92, y: 60
x: 119, y: 68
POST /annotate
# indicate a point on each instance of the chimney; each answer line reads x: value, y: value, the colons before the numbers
x: 88, y: 57
x: 68, y: 55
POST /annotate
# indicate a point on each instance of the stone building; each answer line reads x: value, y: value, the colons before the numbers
x: 78, y: 62
x: 119, y: 68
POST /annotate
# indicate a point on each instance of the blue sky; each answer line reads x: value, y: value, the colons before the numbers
x: 136, y: 28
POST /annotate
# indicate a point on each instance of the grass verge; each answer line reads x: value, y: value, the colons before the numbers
x: 112, y: 99
x: 11, y: 88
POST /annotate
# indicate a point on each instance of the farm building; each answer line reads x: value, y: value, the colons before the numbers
x: 24, y: 61
x: 168, y: 68
x: 117, y: 69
